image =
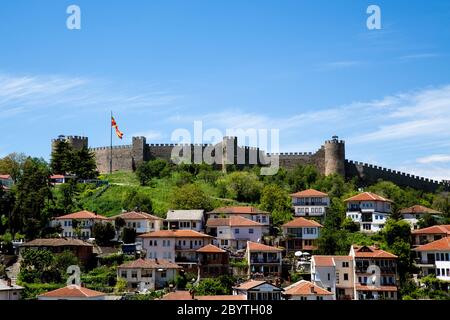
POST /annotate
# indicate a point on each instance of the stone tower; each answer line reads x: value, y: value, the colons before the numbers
x: 138, y: 151
x: 76, y: 142
x: 229, y: 152
x: 334, y: 156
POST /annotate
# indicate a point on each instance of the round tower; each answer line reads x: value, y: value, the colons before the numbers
x: 334, y: 156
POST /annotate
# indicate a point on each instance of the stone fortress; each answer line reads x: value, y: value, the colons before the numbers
x: 329, y: 159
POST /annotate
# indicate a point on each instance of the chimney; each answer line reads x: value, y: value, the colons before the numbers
x: 192, y: 294
x: 312, y: 289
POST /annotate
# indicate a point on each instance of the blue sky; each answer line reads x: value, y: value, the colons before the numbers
x: 309, y: 68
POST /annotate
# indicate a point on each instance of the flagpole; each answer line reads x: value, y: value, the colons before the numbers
x: 110, y: 150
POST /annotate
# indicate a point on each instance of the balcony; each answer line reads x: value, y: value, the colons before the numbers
x: 307, y: 203
x: 262, y: 260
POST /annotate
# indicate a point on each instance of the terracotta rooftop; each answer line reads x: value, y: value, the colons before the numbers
x: 303, y: 288
x: 73, y: 291
x: 438, y: 245
x: 301, y: 222
x: 209, y: 248
x: 418, y: 209
x: 56, y: 242
x: 254, y: 246
x: 249, y: 284
x: 136, y: 215
x: 5, y: 176
x: 239, y: 210
x: 373, y: 288
x: 177, y: 295
x: 222, y: 297
x: 149, y: 264
x: 57, y: 176
x: 174, y: 234
x: 323, y: 261
x: 437, y: 229
x: 235, y: 221
x: 367, y: 196
x: 371, y: 252
x: 185, y: 295
x: 82, y: 215
x: 309, y: 193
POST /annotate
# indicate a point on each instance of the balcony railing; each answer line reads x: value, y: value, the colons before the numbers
x: 322, y: 204
x: 256, y: 260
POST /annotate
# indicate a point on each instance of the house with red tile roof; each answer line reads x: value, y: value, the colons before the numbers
x: 232, y: 233
x: 248, y: 212
x: 258, y: 290
x: 375, y: 272
x: 430, y: 234
x: 434, y: 258
x: 263, y: 261
x: 142, y: 222
x: 212, y: 261
x: 148, y: 274
x: 310, y: 202
x: 369, y: 210
x: 178, y: 246
x: 305, y: 290
x: 301, y: 234
x: 72, y: 292
x: 334, y: 274
x: 190, y: 295
x: 416, y: 212
x: 6, y: 181
x: 84, y: 219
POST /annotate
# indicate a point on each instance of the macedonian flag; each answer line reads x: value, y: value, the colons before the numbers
x: 114, y: 125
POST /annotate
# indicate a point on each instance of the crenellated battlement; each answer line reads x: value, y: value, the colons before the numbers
x: 328, y: 159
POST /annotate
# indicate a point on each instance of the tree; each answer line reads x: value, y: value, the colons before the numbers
x: 61, y: 158
x: 395, y: 231
x: 83, y: 164
x: 302, y: 177
x: 135, y: 200
x: 349, y: 225
x: 146, y: 171
x: 427, y: 220
x: 275, y: 198
x: 103, y: 233
x: 241, y: 186
x: 33, y: 193
x: 76, y: 227
x: 121, y: 286
x: 119, y: 223
x: 13, y: 164
x: 190, y: 196
x: 128, y: 235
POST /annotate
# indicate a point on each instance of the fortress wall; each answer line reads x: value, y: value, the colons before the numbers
x: 121, y: 155
x: 369, y: 174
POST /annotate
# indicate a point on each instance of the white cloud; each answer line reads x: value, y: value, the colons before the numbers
x: 435, y: 158
x: 150, y: 134
x: 21, y: 94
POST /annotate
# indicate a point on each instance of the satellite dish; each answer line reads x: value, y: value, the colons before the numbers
x: 298, y: 253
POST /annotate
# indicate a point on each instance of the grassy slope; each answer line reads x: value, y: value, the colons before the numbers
x: 109, y: 202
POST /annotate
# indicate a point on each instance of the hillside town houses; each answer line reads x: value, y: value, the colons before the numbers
x: 239, y: 241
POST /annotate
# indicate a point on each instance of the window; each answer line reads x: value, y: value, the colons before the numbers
x: 345, y: 276
x: 194, y: 224
x: 264, y: 219
x: 123, y: 274
x: 236, y: 231
x: 345, y: 264
x: 133, y: 274
x: 319, y: 298
x: 250, y: 230
x: 163, y: 274
x: 329, y: 277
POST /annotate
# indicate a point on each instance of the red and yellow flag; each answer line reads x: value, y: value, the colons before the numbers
x: 114, y: 125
